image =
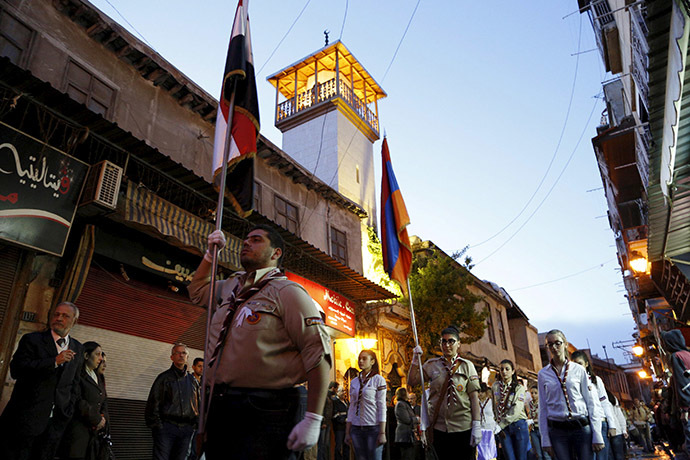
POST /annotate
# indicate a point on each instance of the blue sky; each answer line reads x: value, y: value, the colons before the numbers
x: 481, y: 97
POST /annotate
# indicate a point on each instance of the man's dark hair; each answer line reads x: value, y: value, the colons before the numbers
x: 274, y: 237
x: 197, y: 361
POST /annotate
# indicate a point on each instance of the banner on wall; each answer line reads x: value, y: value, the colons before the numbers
x: 339, y: 310
x: 39, y: 191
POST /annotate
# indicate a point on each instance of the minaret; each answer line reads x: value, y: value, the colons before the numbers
x: 327, y: 110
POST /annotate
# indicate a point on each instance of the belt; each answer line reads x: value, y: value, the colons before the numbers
x: 225, y: 390
x: 179, y: 421
x: 574, y: 424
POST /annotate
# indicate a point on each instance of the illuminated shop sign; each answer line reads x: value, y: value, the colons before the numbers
x: 340, y: 311
x: 39, y: 191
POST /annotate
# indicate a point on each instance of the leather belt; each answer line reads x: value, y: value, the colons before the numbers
x: 574, y: 424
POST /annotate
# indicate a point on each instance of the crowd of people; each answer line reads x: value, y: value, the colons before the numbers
x: 268, y: 395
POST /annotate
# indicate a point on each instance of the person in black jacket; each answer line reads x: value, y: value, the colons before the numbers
x: 81, y: 439
x: 340, y: 406
x: 46, y: 366
x: 170, y: 410
x: 679, y: 361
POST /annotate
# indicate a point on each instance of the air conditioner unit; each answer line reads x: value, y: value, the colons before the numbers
x: 102, y: 185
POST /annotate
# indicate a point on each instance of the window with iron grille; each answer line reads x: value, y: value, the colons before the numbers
x: 339, y: 245
x: 15, y: 38
x: 84, y: 87
x: 490, y: 324
x: 286, y: 215
x: 501, y: 330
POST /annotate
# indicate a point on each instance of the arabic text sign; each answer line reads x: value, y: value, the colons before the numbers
x: 340, y: 311
x: 39, y: 191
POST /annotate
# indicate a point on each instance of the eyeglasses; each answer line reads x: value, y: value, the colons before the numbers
x: 450, y: 342
x: 556, y: 344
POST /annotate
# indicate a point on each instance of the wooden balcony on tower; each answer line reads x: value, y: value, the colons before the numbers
x: 327, y: 79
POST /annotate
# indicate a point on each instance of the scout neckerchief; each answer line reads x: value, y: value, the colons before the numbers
x: 482, y: 405
x: 361, y: 387
x: 502, y: 406
x: 451, y: 395
x: 534, y: 409
x: 562, y: 382
x: 237, y: 298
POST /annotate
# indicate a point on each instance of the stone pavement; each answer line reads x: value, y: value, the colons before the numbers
x: 662, y: 452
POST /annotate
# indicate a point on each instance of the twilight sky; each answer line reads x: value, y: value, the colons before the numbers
x: 490, y: 112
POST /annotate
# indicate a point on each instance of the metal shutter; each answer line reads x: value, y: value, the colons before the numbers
x: 9, y: 260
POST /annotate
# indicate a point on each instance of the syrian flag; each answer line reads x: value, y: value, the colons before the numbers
x: 239, y: 77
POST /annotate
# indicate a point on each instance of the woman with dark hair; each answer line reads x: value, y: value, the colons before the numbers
x: 366, y: 417
x: 453, y: 398
x: 569, y: 412
x: 407, y: 425
x: 509, y: 410
x: 81, y: 439
x: 608, y: 422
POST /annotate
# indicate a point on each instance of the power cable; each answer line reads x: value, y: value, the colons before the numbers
x: 563, y: 277
x: 130, y: 25
x: 553, y: 157
x: 401, y: 40
x: 284, y: 37
x: 550, y: 190
x: 344, y: 18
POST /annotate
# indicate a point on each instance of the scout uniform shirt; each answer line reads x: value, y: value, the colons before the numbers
x: 456, y: 416
x: 275, y: 338
x: 514, y: 405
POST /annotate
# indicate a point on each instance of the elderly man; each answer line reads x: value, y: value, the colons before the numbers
x: 47, y: 368
x: 171, y: 408
x: 266, y: 337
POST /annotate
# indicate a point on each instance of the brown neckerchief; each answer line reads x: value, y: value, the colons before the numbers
x: 444, y: 389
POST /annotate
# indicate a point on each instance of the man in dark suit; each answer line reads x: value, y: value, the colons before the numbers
x: 47, y: 367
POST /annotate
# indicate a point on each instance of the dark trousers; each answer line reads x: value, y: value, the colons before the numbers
x: 451, y: 446
x: 572, y: 444
x: 172, y: 441
x: 364, y: 439
x: 617, y: 448
x: 18, y: 446
x: 324, y: 449
x: 252, y: 424
x: 342, y: 449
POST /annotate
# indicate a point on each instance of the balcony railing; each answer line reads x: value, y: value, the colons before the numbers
x: 327, y: 91
x: 640, y: 50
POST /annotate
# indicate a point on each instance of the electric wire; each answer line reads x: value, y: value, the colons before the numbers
x: 342, y: 27
x: 555, y: 153
x: 563, y: 277
x: 550, y: 190
x: 284, y: 37
x: 130, y: 25
x: 401, y: 40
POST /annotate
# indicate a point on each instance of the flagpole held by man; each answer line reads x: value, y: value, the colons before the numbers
x: 264, y: 334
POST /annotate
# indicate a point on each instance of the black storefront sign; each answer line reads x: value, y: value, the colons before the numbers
x: 40, y: 188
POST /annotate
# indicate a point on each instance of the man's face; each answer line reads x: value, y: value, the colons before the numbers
x: 62, y: 320
x: 412, y: 399
x: 179, y: 357
x: 257, y: 251
x: 198, y: 368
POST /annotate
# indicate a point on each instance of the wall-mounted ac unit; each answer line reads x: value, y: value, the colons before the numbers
x: 102, y: 185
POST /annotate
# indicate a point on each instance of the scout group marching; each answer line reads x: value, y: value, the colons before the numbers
x: 268, y: 394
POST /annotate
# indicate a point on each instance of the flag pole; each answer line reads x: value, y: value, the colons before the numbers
x: 203, y: 405
x: 413, y: 321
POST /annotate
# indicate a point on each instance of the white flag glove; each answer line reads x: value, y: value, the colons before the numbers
x: 497, y: 429
x: 217, y: 238
x: 416, y: 353
x: 306, y: 433
x: 476, y: 433
x: 530, y: 422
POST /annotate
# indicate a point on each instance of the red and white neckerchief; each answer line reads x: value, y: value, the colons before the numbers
x: 362, y: 384
x: 562, y: 382
x: 451, y: 394
x: 534, y: 410
x: 502, y: 406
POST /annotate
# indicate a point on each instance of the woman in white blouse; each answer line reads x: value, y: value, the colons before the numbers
x: 366, y: 417
x: 569, y: 412
x: 608, y: 423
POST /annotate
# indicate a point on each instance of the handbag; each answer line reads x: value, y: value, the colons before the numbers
x: 105, y: 447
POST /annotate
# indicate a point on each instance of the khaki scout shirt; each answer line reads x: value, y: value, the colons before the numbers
x: 515, y: 406
x: 457, y: 417
x: 276, y: 336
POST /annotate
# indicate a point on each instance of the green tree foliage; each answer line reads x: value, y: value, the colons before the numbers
x: 441, y: 297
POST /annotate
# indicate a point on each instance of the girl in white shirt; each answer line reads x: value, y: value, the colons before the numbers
x: 366, y: 417
x: 608, y: 423
x: 569, y: 414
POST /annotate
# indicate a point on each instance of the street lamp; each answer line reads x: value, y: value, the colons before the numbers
x: 642, y: 374
x: 638, y: 350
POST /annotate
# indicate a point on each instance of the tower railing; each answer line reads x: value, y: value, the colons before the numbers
x: 323, y: 92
